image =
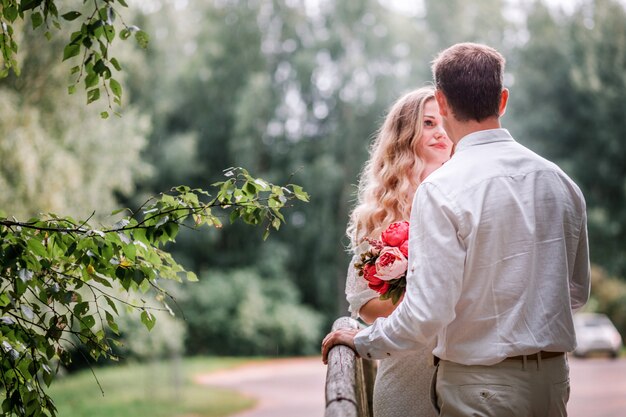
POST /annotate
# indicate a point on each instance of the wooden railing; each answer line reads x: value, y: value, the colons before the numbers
x: 349, y: 379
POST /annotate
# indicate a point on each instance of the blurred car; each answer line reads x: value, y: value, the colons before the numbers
x: 595, y: 333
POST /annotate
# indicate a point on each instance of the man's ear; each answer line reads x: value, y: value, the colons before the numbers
x: 442, y: 103
x: 504, y: 99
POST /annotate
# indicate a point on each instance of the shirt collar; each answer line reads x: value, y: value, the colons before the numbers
x: 483, y: 137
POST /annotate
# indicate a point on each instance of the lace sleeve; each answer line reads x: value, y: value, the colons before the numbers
x: 357, y: 291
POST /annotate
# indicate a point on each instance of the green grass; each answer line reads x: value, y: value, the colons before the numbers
x: 148, y: 390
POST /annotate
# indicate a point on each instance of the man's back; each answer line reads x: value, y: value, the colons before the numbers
x: 520, y: 221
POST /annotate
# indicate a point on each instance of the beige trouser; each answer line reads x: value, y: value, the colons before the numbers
x: 512, y: 388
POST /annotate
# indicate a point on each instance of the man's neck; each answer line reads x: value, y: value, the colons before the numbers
x: 458, y: 130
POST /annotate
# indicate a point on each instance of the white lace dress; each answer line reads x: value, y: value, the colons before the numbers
x: 402, y: 387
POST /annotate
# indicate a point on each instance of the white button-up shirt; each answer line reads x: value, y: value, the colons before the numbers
x: 498, y: 258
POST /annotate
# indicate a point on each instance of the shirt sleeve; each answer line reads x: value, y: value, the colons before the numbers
x: 357, y: 291
x: 434, y: 280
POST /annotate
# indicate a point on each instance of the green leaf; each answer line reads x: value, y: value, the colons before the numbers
x: 104, y: 115
x: 130, y: 251
x: 70, y: 50
x: 47, y: 375
x: 36, y: 247
x: 29, y: 4
x: 125, y: 34
x: 10, y: 13
x: 192, y: 277
x: 109, y: 32
x: 71, y: 248
x: 115, y: 64
x: 276, y: 223
x: 71, y: 89
x: 73, y: 15
x: 100, y: 68
x: 116, y: 88
x: 88, y: 322
x: 122, y: 2
x: 142, y: 39
x: 148, y: 319
x: 300, y: 193
x: 76, y: 37
x: 112, y: 324
x: 81, y: 308
x: 234, y: 215
x: 111, y: 304
x: 171, y: 230
x: 36, y: 19
x: 91, y: 80
x: 93, y: 95
x: 51, y: 9
x: 250, y: 188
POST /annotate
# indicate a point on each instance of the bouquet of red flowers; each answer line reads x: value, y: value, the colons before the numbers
x: 384, y: 265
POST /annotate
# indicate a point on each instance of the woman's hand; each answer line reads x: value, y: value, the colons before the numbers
x: 338, y: 337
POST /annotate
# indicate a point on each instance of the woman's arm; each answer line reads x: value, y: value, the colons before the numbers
x: 363, y: 301
x: 376, y: 308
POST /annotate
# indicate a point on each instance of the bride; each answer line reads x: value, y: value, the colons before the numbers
x: 409, y: 146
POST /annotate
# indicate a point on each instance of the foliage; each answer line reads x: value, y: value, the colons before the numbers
x: 278, y: 89
x: 569, y: 87
x: 157, y: 389
x: 58, y: 276
x: 239, y: 313
x: 56, y: 154
x: 99, y: 20
x: 608, y: 296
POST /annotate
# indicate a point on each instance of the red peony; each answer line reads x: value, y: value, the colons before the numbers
x: 404, y: 248
x: 391, y: 264
x: 396, y: 234
x: 369, y: 272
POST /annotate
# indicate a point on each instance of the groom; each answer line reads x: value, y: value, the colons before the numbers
x: 498, y: 259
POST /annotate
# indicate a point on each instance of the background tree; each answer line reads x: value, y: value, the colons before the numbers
x: 575, y: 117
x: 284, y: 87
x: 47, y: 161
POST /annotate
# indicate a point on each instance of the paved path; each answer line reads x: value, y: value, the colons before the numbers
x: 598, y: 388
x: 295, y: 387
x: 282, y: 387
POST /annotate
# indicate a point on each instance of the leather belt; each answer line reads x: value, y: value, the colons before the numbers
x: 532, y: 357
x: 535, y: 356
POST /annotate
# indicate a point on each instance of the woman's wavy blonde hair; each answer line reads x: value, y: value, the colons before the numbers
x: 391, y: 175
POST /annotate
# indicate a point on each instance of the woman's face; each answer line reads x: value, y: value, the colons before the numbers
x: 434, y: 147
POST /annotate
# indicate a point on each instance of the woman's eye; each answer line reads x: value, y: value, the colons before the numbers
x: 429, y: 123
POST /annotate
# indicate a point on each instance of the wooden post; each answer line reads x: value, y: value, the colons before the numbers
x: 349, y: 380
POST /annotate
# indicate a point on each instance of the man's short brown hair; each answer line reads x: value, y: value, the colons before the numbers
x: 470, y: 77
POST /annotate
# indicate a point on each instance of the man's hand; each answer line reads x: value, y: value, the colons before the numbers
x: 338, y: 337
